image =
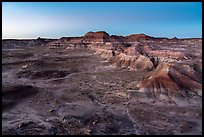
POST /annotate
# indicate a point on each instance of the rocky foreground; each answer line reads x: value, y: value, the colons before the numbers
x: 102, y: 84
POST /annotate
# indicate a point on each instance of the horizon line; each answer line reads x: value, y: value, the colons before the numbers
x: 45, y: 37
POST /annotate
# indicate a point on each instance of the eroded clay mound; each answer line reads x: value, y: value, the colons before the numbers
x: 130, y: 57
x: 134, y: 50
x: 134, y: 62
x: 168, y: 54
x: 170, y: 80
x: 186, y: 77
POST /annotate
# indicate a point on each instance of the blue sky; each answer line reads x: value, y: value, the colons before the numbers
x: 59, y: 19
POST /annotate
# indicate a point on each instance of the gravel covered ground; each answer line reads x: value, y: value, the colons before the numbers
x: 61, y: 91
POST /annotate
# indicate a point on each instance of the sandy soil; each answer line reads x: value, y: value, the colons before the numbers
x: 61, y: 91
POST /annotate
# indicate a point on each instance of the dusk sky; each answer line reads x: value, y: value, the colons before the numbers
x: 60, y: 19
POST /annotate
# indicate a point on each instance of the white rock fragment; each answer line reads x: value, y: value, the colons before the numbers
x: 25, y: 66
